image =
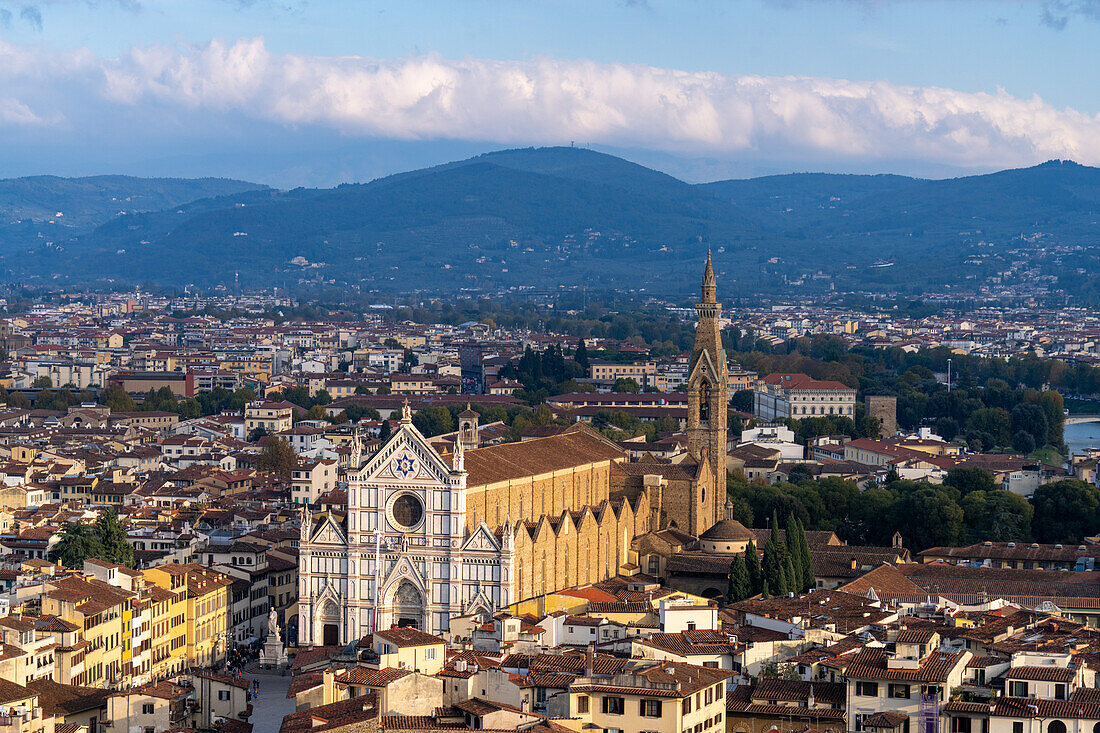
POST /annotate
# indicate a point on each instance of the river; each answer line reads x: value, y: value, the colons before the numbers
x: 1082, y: 435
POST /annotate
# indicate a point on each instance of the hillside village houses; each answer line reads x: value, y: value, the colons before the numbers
x: 546, y: 579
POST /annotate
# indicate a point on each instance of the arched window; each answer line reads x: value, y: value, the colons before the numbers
x: 704, y: 402
x: 1056, y: 726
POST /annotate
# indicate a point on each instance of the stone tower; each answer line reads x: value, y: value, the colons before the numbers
x: 886, y: 410
x: 708, y: 396
x: 468, y: 428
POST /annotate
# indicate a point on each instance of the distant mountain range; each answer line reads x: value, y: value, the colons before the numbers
x: 552, y: 217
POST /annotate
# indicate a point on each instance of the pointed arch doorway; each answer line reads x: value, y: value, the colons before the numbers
x: 408, y: 606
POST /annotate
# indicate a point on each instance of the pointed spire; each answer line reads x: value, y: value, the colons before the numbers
x: 710, y: 284
x: 458, y: 461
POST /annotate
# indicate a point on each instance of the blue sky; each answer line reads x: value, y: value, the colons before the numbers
x: 315, y: 92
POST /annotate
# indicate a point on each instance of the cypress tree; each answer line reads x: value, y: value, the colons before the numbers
x: 793, y: 581
x: 752, y: 566
x: 781, y: 582
x: 739, y: 580
x: 764, y: 591
x: 581, y: 356
x: 775, y: 526
x: 794, y: 554
x: 112, y: 538
x: 809, y: 580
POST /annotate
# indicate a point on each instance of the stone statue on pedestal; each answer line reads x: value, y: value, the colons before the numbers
x: 273, y: 653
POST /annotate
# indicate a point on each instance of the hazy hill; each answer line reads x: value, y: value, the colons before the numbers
x: 541, y: 218
x: 96, y: 199
x: 552, y: 217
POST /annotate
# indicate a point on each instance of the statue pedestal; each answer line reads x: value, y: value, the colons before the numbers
x: 273, y: 655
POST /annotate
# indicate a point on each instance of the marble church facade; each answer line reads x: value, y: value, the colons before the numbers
x: 427, y: 536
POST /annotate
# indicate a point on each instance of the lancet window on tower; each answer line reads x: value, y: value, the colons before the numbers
x: 704, y: 402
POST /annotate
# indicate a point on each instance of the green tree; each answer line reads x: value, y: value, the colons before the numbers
x: 743, y: 400
x: 432, y: 421
x: 1023, y: 442
x: 384, y: 431
x: 76, y: 542
x: 42, y: 383
x: 930, y: 516
x: 112, y: 539
x: 1030, y: 418
x: 992, y: 420
x: 1065, y: 511
x: 800, y: 472
x: 241, y: 397
x: 626, y: 384
x: 799, y: 548
x: 317, y: 412
x: 580, y: 355
x: 794, y: 556
x: 117, y: 399
x: 752, y: 566
x: 277, y: 456
x: 997, y: 516
x: 970, y: 478
x: 739, y: 588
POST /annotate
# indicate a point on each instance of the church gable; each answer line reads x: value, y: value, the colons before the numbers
x: 406, y: 458
x: 705, y: 367
x: 328, y: 532
x: 404, y: 569
x: 482, y: 539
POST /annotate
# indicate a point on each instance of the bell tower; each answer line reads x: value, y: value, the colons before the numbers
x: 708, y: 398
x: 468, y: 434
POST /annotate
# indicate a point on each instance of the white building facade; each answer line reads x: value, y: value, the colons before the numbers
x: 402, y: 555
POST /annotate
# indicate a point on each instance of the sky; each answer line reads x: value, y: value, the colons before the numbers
x: 317, y: 92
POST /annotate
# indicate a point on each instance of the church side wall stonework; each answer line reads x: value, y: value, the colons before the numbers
x: 532, y: 497
x: 575, y: 553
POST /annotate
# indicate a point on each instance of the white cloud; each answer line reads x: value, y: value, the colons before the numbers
x: 554, y: 101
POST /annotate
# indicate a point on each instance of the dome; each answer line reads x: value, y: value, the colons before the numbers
x: 727, y: 530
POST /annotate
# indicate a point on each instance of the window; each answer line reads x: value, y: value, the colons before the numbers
x: 960, y: 725
x: 1056, y: 726
x: 685, y: 706
x: 617, y: 706
x: 430, y: 653
x: 582, y: 704
x: 650, y: 709
x: 899, y: 691
x: 223, y: 694
x: 867, y: 689
x: 691, y: 626
x: 857, y: 721
x: 1017, y: 689
x: 654, y: 564
x: 1059, y: 692
x: 147, y: 708
x: 1017, y: 726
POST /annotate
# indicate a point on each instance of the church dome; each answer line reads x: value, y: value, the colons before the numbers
x: 727, y: 537
x: 728, y: 530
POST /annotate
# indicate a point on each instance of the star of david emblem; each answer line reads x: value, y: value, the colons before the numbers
x: 404, y: 466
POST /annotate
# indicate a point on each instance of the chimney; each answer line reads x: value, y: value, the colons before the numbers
x: 590, y: 661
x: 328, y: 686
